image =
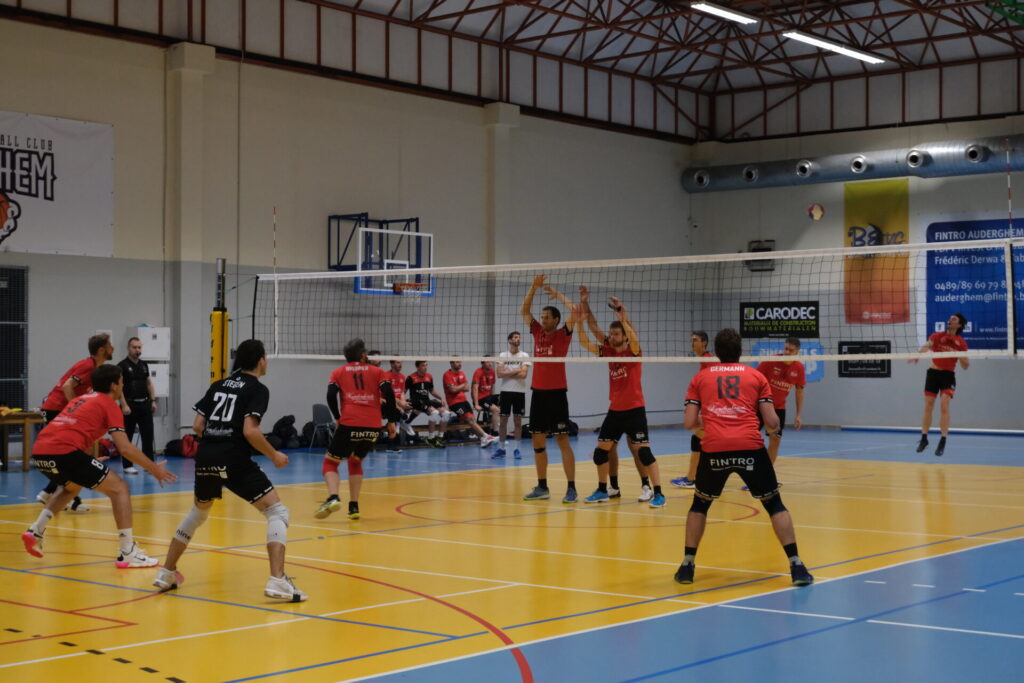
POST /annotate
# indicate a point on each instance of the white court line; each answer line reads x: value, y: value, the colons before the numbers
x: 973, y: 590
x: 783, y: 611
x: 513, y: 646
x: 947, y: 628
x: 922, y: 585
x: 869, y: 581
x: 790, y: 491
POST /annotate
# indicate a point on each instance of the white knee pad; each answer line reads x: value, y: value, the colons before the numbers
x: 193, y: 520
x: 277, y: 523
x: 433, y: 417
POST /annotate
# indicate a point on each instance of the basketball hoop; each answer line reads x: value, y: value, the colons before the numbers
x: 411, y: 291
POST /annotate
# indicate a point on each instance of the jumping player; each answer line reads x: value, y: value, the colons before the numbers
x: 424, y: 399
x: 455, y: 385
x: 783, y: 375
x: 728, y: 397
x: 228, y: 422
x: 626, y: 412
x: 485, y: 401
x: 699, y: 345
x: 512, y: 400
x: 60, y: 454
x: 941, y: 378
x: 549, y: 404
x: 359, y: 387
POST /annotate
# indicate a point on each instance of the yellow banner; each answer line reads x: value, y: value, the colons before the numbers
x: 877, y: 288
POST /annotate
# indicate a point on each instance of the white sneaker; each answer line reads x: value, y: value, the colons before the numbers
x: 407, y: 428
x: 43, y: 497
x: 488, y: 440
x: 646, y: 493
x: 283, y: 589
x: 77, y: 506
x: 167, y: 580
x: 134, y: 559
x: 130, y: 470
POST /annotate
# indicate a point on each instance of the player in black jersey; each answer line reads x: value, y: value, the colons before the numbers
x: 424, y: 399
x: 228, y: 422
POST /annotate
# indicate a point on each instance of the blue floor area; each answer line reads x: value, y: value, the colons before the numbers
x: 951, y: 618
x: 962, y: 449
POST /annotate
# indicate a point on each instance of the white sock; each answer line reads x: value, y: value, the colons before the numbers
x: 124, y: 537
x: 41, y: 521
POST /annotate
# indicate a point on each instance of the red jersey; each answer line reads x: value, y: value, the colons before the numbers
x: 625, y: 390
x: 79, y: 425
x: 729, y: 396
x: 484, y: 379
x: 707, y: 354
x: 549, y: 375
x: 397, y: 380
x: 451, y: 377
x: 359, y: 384
x: 82, y: 371
x: 942, y: 342
x: 782, y: 377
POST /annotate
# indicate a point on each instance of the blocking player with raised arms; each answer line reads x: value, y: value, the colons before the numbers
x: 455, y: 385
x: 783, y: 375
x: 728, y: 397
x: 60, y: 453
x: 512, y: 399
x: 626, y: 412
x: 941, y: 378
x: 358, y: 387
x: 699, y: 345
x: 424, y: 399
x: 549, y: 404
x: 227, y: 422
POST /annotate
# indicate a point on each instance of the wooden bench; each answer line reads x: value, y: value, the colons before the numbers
x: 19, y: 418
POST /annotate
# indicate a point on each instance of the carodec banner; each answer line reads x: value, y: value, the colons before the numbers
x: 973, y: 282
x: 779, y: 319
x: 877, y: 286
x: 56, y: 185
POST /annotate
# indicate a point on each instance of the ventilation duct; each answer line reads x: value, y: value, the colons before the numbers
x: 930, y: 160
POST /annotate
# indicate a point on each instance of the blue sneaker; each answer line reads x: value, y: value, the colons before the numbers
x: 500, y: 453
x: 658, y: 501
x: 570, y: 496
x: 683, y: 482
x: 517, y: 455
x: 537, y: 494
x: 597, y: 496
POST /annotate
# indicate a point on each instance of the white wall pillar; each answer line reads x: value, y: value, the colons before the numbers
x: 500, y: 118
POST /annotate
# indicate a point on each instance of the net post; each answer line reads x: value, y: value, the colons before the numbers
x: 255, y: 298
x: 219, y: 328
x: 1011, y: 299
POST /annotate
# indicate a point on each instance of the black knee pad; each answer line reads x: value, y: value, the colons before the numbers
x: 694, y: 443
x: 600, y: 456
x: 773, y: 505
x: 645, y: 455
x: 700, y: 505
x: 540, y: 450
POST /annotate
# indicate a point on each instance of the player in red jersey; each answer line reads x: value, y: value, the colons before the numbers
x: 699, y: 346
x: 941, y: 378
x: 783, y: 375
x: 75, y: 382
x: 626, y: 413
x: 354, y: 395
x: 60, y: 453
x: 485, y: 401
x: 455, y: 385
x: 728, y: 397
x: 549, y: 404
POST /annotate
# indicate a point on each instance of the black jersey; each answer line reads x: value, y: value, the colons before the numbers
x: 420, y: 386
x: 136, y: 380
x: 226, y: 405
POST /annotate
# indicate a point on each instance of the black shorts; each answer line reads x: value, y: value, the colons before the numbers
x: 461, y: 409
x: 549, y: 411
x: 220, y: 465
x: 512, y: 403
x: 355, y: 441
x: 754, y: 467
x: 77, y: 467
x: 632, y: 423
x: 694, y: 443
x: 486, y: 402
x: 423, y: 405
x: 939, y: 382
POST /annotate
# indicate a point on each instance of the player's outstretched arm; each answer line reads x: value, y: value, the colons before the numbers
x: 587, y: 343
x: 623, y: 317
x: 137, y: 457
x: 526, y: 310
x: 252, y: 433
x: 927, y: 347
x: 587, y: 314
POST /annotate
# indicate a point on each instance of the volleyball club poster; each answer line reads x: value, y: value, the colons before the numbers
x: 877, y: 286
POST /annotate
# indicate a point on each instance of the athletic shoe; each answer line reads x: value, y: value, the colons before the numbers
x: 439, y: 442
x: 597, y: 496
x: 801, y: 577
x: 407, y: 428
x: 353, y: 510
x: 614, y: 492
x: 500, y: 453
x: 658, y: 501
x: 646, y: 493
x: 393, y: 450
x: 682, y: 482
x: 134, y: 558
x: 327, y: 507
x: 130, y: 470
x: 283, y: 589
x: 488, y: 441
x: 517, y: 455
x: 43, y: 497
x: 33, y: 543
x: 941, y: 448
x: 685, y: 573
x: 77, y: 506
x: 570, y: 496
x: 167, y: 580
x: 922, y: 444
x: 537, y: 493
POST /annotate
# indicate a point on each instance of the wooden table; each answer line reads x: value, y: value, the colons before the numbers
x: 25, y: 419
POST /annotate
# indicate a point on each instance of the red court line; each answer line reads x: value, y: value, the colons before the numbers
x: 112, y: 604
x: 524, y: 667
x: 66, y: 611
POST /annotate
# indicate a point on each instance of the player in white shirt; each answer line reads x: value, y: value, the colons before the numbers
x: 513, y: 393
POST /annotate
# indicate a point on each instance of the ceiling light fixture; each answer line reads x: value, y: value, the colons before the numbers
x: 724, y: 13
x: 834, y: 47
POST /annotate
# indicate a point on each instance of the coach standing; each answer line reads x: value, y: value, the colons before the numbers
x: 138, y: 392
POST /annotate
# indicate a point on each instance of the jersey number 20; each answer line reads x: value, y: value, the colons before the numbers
x: 225, y: 408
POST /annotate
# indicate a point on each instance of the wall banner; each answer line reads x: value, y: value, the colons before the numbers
x: 877, y: 286
x: 779, y: 319
x: 56, y: 185
x: 865, y: 368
